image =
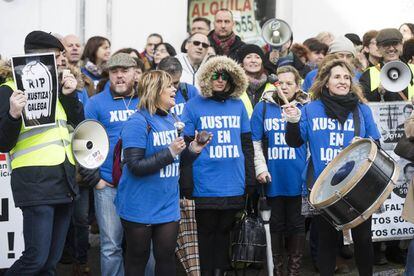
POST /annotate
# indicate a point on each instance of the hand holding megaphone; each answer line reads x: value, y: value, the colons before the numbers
x: 395, y: 76
x: 90, y: 144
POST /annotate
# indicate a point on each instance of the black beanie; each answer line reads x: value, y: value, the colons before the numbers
x: 37, y: 40
x: 248, y: 49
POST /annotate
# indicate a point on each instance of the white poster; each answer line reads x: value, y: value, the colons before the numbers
x: 11, y: 220
x: 387, y: 223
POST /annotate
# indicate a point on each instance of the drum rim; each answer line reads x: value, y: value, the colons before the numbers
x: 365, y: 166
x: 377, y: 203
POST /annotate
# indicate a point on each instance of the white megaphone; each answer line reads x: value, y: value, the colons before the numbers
x: 276, y: 32
x: 395, y: 76
x: 90, y: 144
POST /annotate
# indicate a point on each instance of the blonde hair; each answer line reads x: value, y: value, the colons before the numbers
x: 150, y: 87
x: 325, y: 73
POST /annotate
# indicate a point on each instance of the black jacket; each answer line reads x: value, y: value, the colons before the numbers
x: 39, y: 184
x: 234, y: 48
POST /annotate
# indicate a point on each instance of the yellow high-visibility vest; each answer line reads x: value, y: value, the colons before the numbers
x: 43, y: 146
x: 374, y: 74
x: 248, y: 104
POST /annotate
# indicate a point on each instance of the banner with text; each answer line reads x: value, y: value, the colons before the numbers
x: 387, y: 223
x: 11, y: 221
x: 249, y: 15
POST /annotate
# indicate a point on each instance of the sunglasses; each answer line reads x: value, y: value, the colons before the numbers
x: 224, y: 76
x: 197, y: 43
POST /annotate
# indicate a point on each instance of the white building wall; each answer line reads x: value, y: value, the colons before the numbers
x: 133, y: 20
x: 309, y: 17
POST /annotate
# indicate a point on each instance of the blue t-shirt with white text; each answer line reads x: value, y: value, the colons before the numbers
x: 153, y: 198
x: 219, y: 170
x: 285, y: 164
x: 327, y: 137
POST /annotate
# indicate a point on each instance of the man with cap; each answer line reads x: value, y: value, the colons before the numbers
x: 389, y: 42
x: 43, y: 167
x: 112, y: 107
x: 344, y: 49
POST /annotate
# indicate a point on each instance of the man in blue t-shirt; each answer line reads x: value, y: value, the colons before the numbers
x: 112, y: 107
x: 185, y: 91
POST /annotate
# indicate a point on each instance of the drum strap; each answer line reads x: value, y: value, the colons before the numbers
x: 357, y: 122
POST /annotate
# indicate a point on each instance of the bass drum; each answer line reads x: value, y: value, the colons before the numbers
x: 355, y: 184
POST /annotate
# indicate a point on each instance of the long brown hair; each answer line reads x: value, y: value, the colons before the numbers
x: 325, y: 73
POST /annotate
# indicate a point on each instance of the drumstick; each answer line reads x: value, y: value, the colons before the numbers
x: 280, y: 93
x: 272, y: 78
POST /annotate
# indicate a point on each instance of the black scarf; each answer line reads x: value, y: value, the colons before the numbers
x: 339, y: 107
x: 161, y: 112
x: 221, y: 96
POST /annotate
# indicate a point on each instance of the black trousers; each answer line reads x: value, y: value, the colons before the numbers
x: 328, y: 245
x: 214, y: 228
x: 138, y: 240
x: 286, y: 215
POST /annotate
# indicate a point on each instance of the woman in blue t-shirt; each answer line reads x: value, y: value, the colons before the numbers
x: 225, y: 167
x: 283, y: 166
x: 148, y: 196
x: 326, y: 124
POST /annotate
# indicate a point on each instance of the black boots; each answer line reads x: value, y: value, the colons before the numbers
x: 277, y: 251
x: 295, y: 247
x: 296, y: 244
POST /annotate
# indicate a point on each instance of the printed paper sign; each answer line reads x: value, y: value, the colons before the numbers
x: 36, y: 76
x: 387, y: 223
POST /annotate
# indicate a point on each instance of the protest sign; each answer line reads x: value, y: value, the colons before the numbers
x: 387, y: 223
x: 36, y: 75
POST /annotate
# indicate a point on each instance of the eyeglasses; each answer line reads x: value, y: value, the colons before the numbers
x: 224, y: 76
x: 197, y: 43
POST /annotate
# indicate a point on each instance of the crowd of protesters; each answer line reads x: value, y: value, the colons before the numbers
x: 257, y: 134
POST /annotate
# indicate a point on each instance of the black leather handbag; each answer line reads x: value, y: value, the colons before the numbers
x: 249, y: 239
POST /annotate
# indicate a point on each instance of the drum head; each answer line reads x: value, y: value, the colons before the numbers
x: 348, y: 167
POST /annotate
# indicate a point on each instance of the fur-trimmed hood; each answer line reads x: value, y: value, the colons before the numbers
x: 5, y: 71
x: 222, y: 63
x: 300, y: 97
